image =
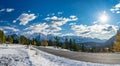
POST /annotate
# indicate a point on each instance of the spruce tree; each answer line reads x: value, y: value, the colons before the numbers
x: 10, y: 39
x: 23, y: 40
x: 56, y: 42
x: 50, y: 43
x: 2, y: 37
x: 66, y: 44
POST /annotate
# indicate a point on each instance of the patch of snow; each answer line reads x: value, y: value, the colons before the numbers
x: 13, y: 56
x: 56, y: 48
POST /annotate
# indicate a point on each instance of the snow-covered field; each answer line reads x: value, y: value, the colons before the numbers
x: 18, y: 55
x: 13, y: 55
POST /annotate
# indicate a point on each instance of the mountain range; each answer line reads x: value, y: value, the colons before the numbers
x: 87, y: 41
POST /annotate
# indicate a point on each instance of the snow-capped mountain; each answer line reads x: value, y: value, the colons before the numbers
x: 15, y: 36
x: 78, y: 39
x: 110, y: 42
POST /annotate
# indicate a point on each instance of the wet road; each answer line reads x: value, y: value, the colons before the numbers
x: 107, y: 58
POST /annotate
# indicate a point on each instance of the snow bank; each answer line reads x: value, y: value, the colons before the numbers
x: 13, y: 56
x: 55, y: 48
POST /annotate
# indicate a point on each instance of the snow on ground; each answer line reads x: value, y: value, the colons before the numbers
x: 55, y: 48
x: 18, y: 55
x: 13, y: 56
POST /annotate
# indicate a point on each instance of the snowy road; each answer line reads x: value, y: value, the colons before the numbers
x: 107, y: 58
x: 18, y: 55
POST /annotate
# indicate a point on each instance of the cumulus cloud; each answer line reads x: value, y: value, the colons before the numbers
x: 38, y: 27
x: 9, y: 28
x: 55, y: 18
x: 7, y: 10
x: 116, y: 8
x: 95, y: 31
x: 73, y: 18
x: 25, y: 18
x: 50, y: 28
x: 59, y: 21
x: 43, y: 28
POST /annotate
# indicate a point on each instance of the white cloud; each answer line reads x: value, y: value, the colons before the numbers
x: 9, y: 9
x: 9, y: 28
x: 73, y: 18
x: 51, y: 28
x: 116, y: 8
x: 55, y: 18
x: 14, y: 21
x: 118, y: 12
x: 43, y: 28
x: 95, y: 31
x: 1, y: 10
x: 12, y: 28
x: 38, y: 28
x: 60, y: 13
x: 59, y: 21
x: 72, y: 23
x: 25, y: 18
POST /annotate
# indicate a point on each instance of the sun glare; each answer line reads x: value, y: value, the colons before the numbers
x: 103, y: 18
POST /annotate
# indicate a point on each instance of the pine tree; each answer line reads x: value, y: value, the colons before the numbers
x: 9, y: 39
x: 66, y: 44
x: 63, y: 46
x: 83, y: 47
x: 76, y: 47
x: 15, y: 40
x: 2, y: 37
x: 70, y: 44
x: 93, y: 49
x: 23, y: 40
x: 56, y: 42
x: 50, y: 43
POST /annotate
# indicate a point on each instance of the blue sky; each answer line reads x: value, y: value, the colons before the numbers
x: 87, y: 18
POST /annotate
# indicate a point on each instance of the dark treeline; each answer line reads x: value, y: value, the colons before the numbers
x: 66, y: 44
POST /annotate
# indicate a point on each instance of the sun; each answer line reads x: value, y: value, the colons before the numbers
x: 103, y: 18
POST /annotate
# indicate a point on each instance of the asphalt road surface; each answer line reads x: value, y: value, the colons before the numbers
x: 107, y: 58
